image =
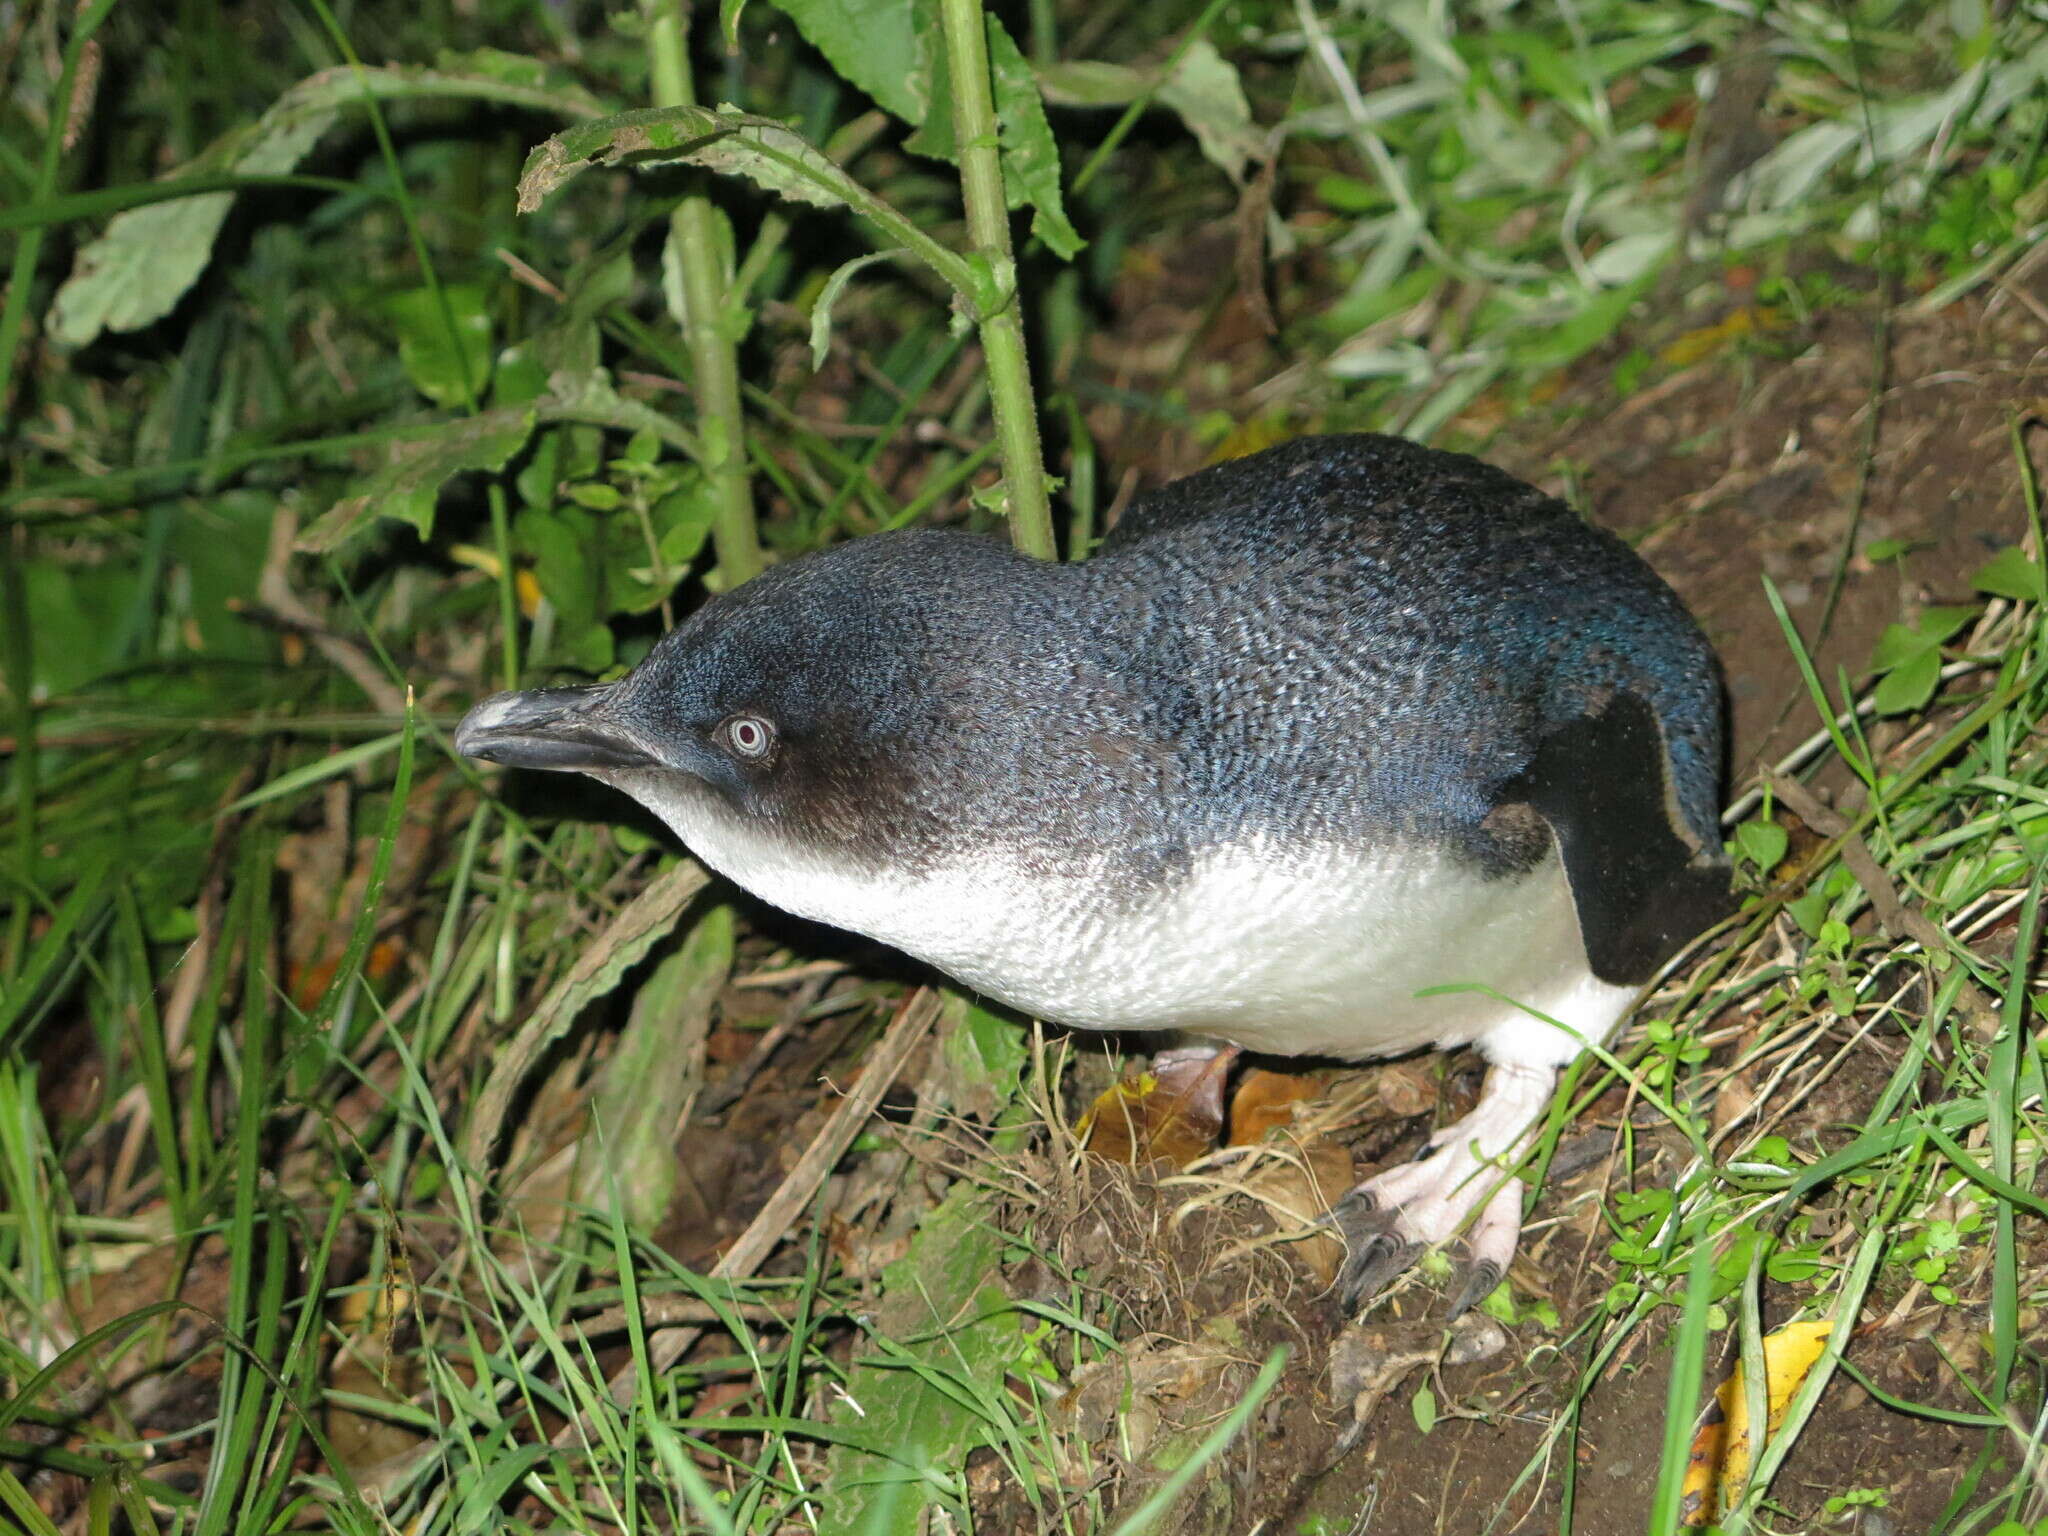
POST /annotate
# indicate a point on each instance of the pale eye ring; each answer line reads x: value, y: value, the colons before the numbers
x: 748, y: 736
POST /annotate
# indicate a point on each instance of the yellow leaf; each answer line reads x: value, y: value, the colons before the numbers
x: 1705, y: 342
x: 1249, y: 437
x: 1721, y: 1451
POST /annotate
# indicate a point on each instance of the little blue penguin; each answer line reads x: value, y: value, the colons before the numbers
x: 1343, y: 749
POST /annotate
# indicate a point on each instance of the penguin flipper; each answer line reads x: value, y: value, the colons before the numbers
x: 1641, y: 883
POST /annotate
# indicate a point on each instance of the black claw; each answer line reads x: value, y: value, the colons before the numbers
x: 1372, y: 1264
x: 1358, y: 1217
x: 1480, y: 1282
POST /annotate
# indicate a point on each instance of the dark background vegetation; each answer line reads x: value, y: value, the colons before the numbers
x: 371, y: 1130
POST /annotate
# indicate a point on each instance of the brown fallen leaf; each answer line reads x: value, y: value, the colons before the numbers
x: 1305, y: 1189
x: 1173, y: 1113
x: 1267, y: 1099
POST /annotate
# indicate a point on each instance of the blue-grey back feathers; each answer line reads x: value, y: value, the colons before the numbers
x: 1343, y: 638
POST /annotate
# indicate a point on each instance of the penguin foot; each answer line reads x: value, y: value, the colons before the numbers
x: 1461, y: 1177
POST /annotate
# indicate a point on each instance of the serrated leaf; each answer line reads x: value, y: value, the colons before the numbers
x: 1909, y: 685
x: 589, y: 398
x: 408, y: 485
x: 772, y: 155
x: 139, y: 268
x: 821, y: 308
x: 1030, y: 154
x: 884, y: 47
x: 2009, y: 573
x: 958, y: 1326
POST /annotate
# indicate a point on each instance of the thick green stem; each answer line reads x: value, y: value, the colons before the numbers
x: 1001, y: 322
x: 714, y: 358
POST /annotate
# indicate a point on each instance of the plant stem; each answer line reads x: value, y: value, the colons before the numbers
x: 721, y: 425
x: 988, y: 234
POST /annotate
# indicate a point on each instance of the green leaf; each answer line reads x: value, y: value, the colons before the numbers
x: 918, y: 1397
x: 1423, y: 1406
x: 135, y: 272
x: 563, y: 544
x: 67, y: 605
x: 1939, y: 624
x: 2009, y: 573
x: 1763, y: 843
x: 1594, y: 322
x: 682, y: 523
x: 589, y: 398
x: 640, y: 1093
x: 770, y: 154
x: 408, y: 485
x: 219, y: 544
x: 887, y: 48
x: 1909, y: 685
x: 596, y: 496
x: 1030, y: 154
x: 598, y: 967
x: 1897, y: 646
x: 1209, y: 98
x: 821, y: 309
x: 138, y: 270
x: 446, y: 352
x: 1204, y: 91
x: 1093, y: 83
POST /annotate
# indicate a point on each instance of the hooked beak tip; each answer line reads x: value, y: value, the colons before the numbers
x: 552, y: 728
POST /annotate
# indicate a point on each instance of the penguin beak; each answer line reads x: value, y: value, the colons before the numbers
x: 565, y: 729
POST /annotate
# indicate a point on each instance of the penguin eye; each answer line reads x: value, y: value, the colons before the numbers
x: 747, y: 736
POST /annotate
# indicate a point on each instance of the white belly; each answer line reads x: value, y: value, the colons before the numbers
x: 1291, y: 952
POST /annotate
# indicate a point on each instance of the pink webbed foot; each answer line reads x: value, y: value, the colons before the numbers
x: 1463, y: 1175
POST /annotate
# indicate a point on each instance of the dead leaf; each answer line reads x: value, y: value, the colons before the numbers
x: 1172, y: 1114
x: 1694, y: 346
x: 1369, y: 1360
x: 1267, y: 1099
x: 1298, y: 1193
x: 1718, y: 1465
x: 1407, y: 1089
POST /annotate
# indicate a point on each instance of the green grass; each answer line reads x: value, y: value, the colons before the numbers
x: 268, y: 948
